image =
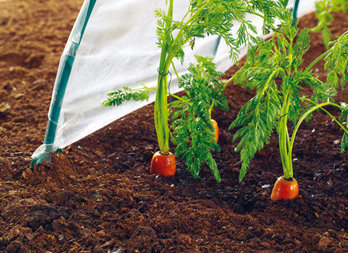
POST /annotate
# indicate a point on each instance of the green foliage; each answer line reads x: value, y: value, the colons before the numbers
x: 337, y: 61
x: 202, y: 19
x: 344, y: 120
x: 273, y: 68
x: 259, y: 117
x: 193, y: 131
x: 323, y: 10
x: 127, y: 94
x: 214, y: 17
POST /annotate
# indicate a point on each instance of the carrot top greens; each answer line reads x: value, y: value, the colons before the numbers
x: 193, y: 130
x: 274, y: 69
x: 202, y: 19
x: 323, y: 12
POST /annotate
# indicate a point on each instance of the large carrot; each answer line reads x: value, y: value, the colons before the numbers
x: 286, y: 189
x: 163, y: 164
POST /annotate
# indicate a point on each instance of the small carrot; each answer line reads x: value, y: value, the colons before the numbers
x: 215, y: 124
x: 286, y: 189
x: 163, y: 164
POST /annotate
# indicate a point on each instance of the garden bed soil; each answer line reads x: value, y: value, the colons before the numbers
x: 98, y: 195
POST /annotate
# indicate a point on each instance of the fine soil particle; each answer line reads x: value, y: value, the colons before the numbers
x: 98, y: 195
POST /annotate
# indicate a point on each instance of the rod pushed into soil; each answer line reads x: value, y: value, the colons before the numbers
x: 43, y: 153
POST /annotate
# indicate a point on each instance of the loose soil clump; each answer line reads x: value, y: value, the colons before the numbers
x: 98, y: 195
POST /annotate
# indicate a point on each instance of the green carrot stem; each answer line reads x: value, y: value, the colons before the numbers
x: 161, y: 103
x: 316, y: 61
x: 161, y: 116
x: 179, y: 98
x: 176, y: 72
x: 334, y: 119
x: 303, y: 117
x: 257, y: 14
x: 270, y: 79
x: 267, y: 83
x: 284, y: 140
x: 211, y: 109
x: 230, y: 80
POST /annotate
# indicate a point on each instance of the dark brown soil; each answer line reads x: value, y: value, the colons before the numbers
x: 98, y: 195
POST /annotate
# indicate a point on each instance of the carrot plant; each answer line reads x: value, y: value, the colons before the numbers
x: 202, y: 19
x: 194, y: 131
x: 274, y: 69
x: 323, y: 12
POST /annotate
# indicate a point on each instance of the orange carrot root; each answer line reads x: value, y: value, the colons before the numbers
x: 215, y: 124
x: 286, y: 189
x: 163, y: 164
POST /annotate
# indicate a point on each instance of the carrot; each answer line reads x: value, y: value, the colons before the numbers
x: 163, y: 164
x: 215, y: 124
x: 286, y: 189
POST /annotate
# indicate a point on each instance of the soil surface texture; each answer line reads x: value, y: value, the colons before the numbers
x: 98, y: 195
